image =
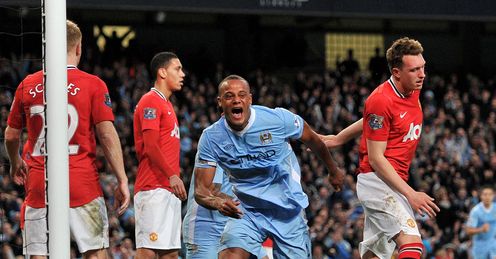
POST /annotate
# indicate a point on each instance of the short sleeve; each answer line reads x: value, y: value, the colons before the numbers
x: 473, y: 219
x: 205, y: 157
x: 219, y: 175
x: 293, y: 123
x: 149, y: 113
x: 101, y: 105
x: 377, y: 118
x: 16, y: 118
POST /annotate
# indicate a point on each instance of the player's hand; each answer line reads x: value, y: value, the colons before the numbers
x: 485, y: 228
x: 122, y: 198
x: 177, y: 186
x: 423, y: 204
x: 337, y: 179
x: 229, y: 207
x: 18, y: 171
x: 331, y: 141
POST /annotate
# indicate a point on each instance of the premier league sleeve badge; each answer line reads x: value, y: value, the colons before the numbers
x: 375, y: 121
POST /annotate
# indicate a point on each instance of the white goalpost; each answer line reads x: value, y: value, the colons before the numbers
x: 57, y: 160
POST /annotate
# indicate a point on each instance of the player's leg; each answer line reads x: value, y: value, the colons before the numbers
x: 290, y: 236
x: 96, y: 254
x: 34, y: 232
x: 168, y: 254
x: 409, y: 246
x: 381, y: 223
x: 158, y: 224
x: 241, y: 238
x: 369, y: 255
x: 145, y: 253
x: 389, y: 216
x: 89, y: 228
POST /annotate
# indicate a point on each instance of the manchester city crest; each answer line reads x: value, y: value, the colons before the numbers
x: 265, y: 137
x: 375, y: 121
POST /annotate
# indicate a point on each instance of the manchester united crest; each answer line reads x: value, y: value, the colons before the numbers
x: 153, y: 236
x: 411, y: 223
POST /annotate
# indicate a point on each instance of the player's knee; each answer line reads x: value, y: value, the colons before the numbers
x: 410, y: 251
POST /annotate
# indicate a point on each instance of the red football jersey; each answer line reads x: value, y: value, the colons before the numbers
x: 155, y: 112
x: 88, y: 104
x: 390, y: 116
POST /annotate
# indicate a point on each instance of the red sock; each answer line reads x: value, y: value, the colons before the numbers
x: 412, y: 250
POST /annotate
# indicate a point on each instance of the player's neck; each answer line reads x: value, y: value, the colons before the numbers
x: 164, y: 90
x: 400, y: 88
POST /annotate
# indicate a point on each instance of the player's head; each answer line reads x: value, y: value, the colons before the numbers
x: 235, y: 100
x: 167, y: 68
x: 74, y: 38
x: 407, y: 64
x: 487, y: 195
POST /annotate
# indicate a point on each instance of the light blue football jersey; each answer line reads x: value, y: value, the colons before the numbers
x: 478, y: 217
x: 202, y: 226
x: 259, y: 160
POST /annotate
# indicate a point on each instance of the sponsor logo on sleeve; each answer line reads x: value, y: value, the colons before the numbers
x: 375, y: 121
x: 107, y: 101
x: 296, y: 122
x: 150, y: 113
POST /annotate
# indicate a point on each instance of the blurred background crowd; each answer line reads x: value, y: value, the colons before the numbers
x: 455, y: 156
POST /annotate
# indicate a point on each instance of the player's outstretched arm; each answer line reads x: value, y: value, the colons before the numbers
x: 350, y: 132
x: 208, y: 195
x: 18, y: 168
x: 111, y: 146
x: 313, y: 141
x: 420, y: 202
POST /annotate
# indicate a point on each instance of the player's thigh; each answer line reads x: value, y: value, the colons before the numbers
x: 89, y: 225
x: 388, y: 211
x: 158, y: 220
x: 242, y: 233
x: 387, y: 216
x: 34, y: 232
x: 291, y: 238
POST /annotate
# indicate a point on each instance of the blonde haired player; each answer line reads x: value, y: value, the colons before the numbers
x: 90, y: 112
x: 391, y: 125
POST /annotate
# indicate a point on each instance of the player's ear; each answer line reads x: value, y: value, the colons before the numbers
x: 78, y: 49
x: 395, y: 72
x: 218, y: 102
x: 162, y: 72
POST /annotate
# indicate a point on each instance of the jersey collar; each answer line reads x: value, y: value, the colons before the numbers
x: 395, y: 89
x: 251, y: 120
x: 159, y: 93
x: 71, y: 67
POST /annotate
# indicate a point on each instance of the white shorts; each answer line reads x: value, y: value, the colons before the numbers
x: 34, y: 234
x: 387, y: 212
x: 88, y: 224
x: 158, y: 220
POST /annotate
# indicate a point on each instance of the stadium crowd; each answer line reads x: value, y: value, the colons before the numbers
x: 455, y: 157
